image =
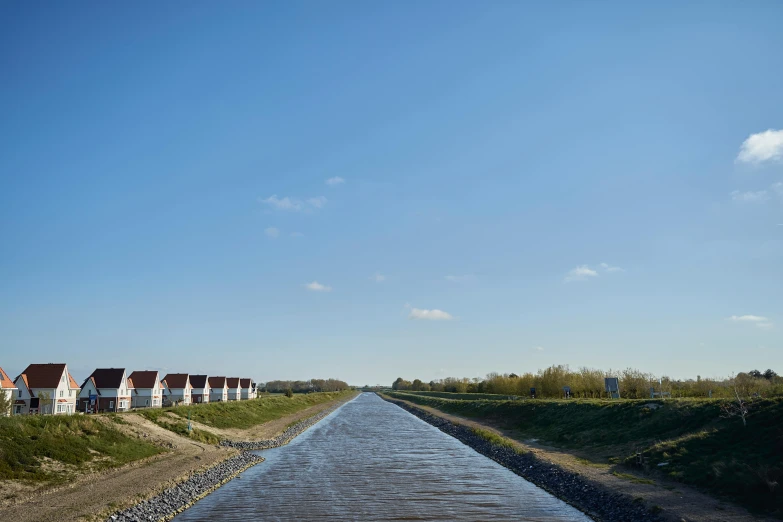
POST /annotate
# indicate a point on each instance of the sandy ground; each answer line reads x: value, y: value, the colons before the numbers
x: 93, y: 496
x: 679, y: 502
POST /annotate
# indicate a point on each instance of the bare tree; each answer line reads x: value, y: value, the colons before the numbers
x: 737, y: 407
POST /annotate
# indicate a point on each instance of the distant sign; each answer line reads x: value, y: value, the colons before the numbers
x: 567, y: 389
x: 612, y: 385
x: 93, y: 398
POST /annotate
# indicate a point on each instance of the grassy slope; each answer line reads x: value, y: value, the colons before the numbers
x: 28, y: 442
x: 463, y: 396
x: 243, y: 414
x: 722, y: 456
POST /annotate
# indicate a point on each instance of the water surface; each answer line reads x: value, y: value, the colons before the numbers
x: 371, y: 460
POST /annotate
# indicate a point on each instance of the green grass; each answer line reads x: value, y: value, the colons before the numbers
x: 632, y: 478
x: 464, y: 396
x: 242, y: 414
x: 496, y: 439
x: 51, y: 448
x: 702, y: 449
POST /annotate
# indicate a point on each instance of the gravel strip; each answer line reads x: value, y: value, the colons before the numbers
x: 283, y: 439
x: 598, y: 502
x: 174, y: 500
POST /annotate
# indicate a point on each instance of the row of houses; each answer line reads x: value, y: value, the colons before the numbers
x: 50, y: 389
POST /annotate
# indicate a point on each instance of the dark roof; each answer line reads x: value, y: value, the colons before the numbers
x: 176, y: 380
x: 105, y: 378
x: 246, y: 383
x: 198, y: 381
x: 217, y: 382
x: 144, y: 379
x: 233, y: 382
x: 43, y: 375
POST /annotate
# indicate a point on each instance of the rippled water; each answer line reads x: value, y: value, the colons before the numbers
x: 371, y: 460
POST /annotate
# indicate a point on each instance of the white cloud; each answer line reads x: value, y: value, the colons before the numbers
x: 318, y: 202
x: 337, y: 180
x: 610, y: 269
x: 430, y: 315
x: 271, y: 232
x: 750, y: 197
x: 763, y: 146
x: 539, y: 348
x: 458, y: 278
x: 748, y: 318
x: 378, y: 278
x: 580, y: 273
x: 315, y: 286
x: 293, y: 204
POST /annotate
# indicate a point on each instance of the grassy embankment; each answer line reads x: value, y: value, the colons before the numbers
x: 466, y: 396
x: 740, y: 463
x: 53, y: 448
x: 236, y: 414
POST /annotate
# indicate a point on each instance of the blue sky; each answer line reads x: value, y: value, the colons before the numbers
x: 165, y: 194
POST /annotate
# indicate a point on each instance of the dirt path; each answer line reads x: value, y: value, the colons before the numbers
x: 93, y: 496
x: 679, y: 502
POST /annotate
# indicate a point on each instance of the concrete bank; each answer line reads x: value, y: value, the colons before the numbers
x: 598, y: 502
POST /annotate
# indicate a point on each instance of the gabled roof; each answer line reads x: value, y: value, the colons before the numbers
x: 110, y: 378
x: 5, y: 380
x: 144, y: 379
x: 246, y: 383
x: 217, y: 382
x: 72, y: 381
x: 176, y: 380
x: 233, y: 382
x: 43, y: 375
x: 198, y: 381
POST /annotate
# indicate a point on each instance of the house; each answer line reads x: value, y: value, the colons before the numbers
x: 199, y: 389
x: 147, y: 389
x: 234, y: 389
x: 45, y: 389
x: 218, y: 389
x: 7, y: 388
x: 106, y: 389
x: 176, y: 388
x: 248, y: 389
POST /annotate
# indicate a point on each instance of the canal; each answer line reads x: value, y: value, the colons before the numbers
x: 371, y: 460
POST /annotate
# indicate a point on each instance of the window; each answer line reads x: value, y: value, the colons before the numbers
x: 61, y: 393
x: 20, y: 393
x: 70, y: 393
x: 62, y: 379
x: 18, y: 410
x: 111, y: 405
x: 147, y: 402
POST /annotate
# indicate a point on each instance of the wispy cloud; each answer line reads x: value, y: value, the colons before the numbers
x: 337, y: 180
x: 762, y: 146
x: 759, y: 320
x: 539, y: 348
x: 608, y: 268
x: 315, y: 286
x: 580, y: 273
x: 777, y: 188
x: 378, y: 278
x: 272, y: 232
x: 758, y: 196
x: 430, y: 315
x: 458, y: 278
x: 293, y: 204
x: 296, y: 234
x: 764, y: 326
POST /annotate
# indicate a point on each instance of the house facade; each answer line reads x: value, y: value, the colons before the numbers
x: 176, y: 388
x: 105, y: 390
x: 46, y: 389
x: 147, y: 390
x: 248, y: 389
x: 199, y: 392
x: 234, y: 389
x: 8, y: 389
x: 218, y: 389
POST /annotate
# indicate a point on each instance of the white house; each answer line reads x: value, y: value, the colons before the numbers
x: 199, y: 392
x: 234, y: 389
x: 218, y: 390
x: 106, y: 389
x: 248, y: 389
x: 147, y: 389
x: 7, y: 388
x: 45, y: 389
x: 176, y: 388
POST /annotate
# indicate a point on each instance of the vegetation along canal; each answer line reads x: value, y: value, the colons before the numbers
x: 371, y: 460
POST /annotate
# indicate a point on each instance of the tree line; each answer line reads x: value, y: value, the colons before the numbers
x: 589, y: 383
x: 309, y: 386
